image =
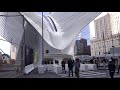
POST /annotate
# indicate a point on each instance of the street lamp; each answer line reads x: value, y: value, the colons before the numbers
x: 42, y: 39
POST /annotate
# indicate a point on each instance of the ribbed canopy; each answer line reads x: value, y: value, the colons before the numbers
x: 60, y: 28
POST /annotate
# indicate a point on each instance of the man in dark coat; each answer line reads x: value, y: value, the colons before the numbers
x: 77, y: 67
x: 70, y: 66
x: 91, y: 61
x: 118, y: 65
x: 111, y: 67
x: 104, y: 63
x: 63, y: 65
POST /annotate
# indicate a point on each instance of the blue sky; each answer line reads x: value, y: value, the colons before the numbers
x: 85, y: 33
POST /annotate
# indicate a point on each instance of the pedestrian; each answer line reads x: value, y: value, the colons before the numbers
x: 73, y: 62
x: 91, y: 61
x: 104, y: 63
x: 57, y: 62
x: 70, y: 66
x: 63, y: 66
x: 118, y: 65
x: 111, y: 67
x: 77, y: 67
x: 97, y: 62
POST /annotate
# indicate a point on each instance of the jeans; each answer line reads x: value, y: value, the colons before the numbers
x: 63, y: 69
x: 104, y: 65
x: 70, y: 71
x: 77, y: 72
x: 112, y: 74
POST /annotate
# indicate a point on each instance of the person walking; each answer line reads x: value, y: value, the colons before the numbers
x: 77, y: 67
x: 97, y: 62
x: 111, y: 68
x: 63, y: 66
x: 118, y: 65
x: 104, y: 63
x: 70, y: 66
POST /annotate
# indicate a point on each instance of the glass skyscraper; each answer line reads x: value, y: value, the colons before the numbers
x: 85, y: 33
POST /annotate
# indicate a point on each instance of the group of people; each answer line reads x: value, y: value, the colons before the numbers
x: 113, y: 64
x: 71, y: 64
x: 56, y: 62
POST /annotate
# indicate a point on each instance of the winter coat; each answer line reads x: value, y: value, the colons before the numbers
x: 111, y: 66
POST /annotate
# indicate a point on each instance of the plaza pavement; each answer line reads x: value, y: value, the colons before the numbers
x: 34, y: 74
x: 87, y: 74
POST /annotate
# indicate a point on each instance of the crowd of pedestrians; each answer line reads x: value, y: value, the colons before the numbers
x: 112, y: 64
x: 71, y: 63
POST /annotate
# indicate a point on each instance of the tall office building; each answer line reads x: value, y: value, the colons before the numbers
x: 82, y: 41
x: 77, y: 48
x: 102, y: 27
x: 81, y: 47
x: 88, y: 50
x: 107, y: 36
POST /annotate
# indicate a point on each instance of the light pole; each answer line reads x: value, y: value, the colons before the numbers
x: 42, y: 39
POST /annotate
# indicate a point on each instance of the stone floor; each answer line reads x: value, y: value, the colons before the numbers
x: 8, y: 74
x: 34, y: 74
x: 90, y: 74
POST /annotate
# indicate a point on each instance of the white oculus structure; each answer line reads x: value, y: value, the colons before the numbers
x: 60, y: 29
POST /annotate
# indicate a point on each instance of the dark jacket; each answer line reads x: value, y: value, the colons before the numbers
x: 111, y: 66
x: 70, y: 64
x: 63, y: 63
x: 91, y: 61
x: 77, y: 65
